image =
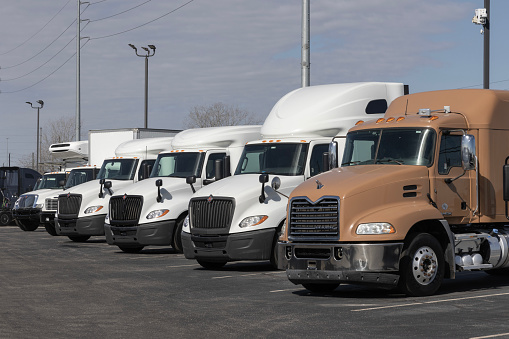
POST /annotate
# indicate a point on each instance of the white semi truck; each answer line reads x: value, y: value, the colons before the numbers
x: 240, y: 217
x: 29, y: 207
x: 151, y: 212
x: 81, y: 209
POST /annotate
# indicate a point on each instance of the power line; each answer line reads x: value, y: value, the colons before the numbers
x: 127, y: 10
x: 30, y: 38
x: 491, y: 82
x: 149, y: 22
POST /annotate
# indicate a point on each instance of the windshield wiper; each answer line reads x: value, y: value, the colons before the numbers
x: 350, y: 163
x: 398, y: 161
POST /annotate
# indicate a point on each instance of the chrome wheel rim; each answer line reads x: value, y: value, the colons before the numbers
x: 424, y: 265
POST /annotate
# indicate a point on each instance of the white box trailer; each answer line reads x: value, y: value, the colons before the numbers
x: 159, y: 204
x: 239, y: 219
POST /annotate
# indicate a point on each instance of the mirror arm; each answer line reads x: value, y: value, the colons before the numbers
x: 449, y: 180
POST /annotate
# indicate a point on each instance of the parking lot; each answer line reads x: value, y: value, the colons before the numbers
x: 53, y: 287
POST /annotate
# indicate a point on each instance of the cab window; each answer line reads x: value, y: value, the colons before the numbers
x: 450, y: 153
x: 316, y: 161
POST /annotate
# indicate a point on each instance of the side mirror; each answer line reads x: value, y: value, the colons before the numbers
x: 219, y: 169
x: 101, y: 181
x: 159, y: 183
x: 61, y: 183
x: 468, y: 157
x: 107, y: 185
x: 190, y: 181
x: 276, y: 183
x: 326, y: 161
x: 227, y: 166
x: 333, y: 156
x: 263, y: 178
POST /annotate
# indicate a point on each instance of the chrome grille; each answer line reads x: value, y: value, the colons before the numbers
x: 51, y: 204
x: 214, y: 214
x: 69, y: 204
x: 314, y: 221
x: 125, y: 210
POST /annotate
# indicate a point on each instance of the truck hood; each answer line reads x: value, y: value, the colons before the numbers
x: 349, y: 181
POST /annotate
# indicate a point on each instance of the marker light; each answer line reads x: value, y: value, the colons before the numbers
x: 400, y: 119
x: 359, y: 122
x: 375, y: 228
x: 380, y: 120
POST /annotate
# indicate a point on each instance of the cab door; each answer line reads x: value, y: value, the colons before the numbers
x: 452, y: 185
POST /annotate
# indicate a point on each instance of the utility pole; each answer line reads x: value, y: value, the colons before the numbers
x: 38, y: 108
x: 305, y: 63
x: 78, y: 71
x: 482, y: 17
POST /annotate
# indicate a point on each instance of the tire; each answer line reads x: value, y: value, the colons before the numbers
x: 50, y: 228
x: 211, y: 265
x: 5, y: 219
x: 176, y: 241
x: 422, y: 266
x: 79, y: 238
x: 273, y: 254
x: 320, y: 288
x: 131, y: 249
x: 27, y: 225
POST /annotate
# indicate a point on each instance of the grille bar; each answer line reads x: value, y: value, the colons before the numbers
x: 314, y: 221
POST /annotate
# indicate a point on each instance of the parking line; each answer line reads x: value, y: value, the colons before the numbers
x: 276, y: 291
x: 430, y: 302
x: 247, y: 275
x: 177, y: 266
x: 491, y: 336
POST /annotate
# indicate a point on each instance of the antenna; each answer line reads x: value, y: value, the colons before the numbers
x: 406, y: 108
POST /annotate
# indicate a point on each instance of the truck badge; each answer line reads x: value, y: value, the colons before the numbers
x: 319, y: 185
x: 68, y: 195
x: 210, y: 198
x: 124, y: 197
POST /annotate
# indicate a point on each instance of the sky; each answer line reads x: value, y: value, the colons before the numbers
x: 241, y: 53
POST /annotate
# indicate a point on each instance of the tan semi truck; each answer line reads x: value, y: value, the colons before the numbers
x: 421, y: 194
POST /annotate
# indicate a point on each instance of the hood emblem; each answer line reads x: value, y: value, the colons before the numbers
x: 68, y: 195
x: 210, y: 198
x: 124, y: 197
x: 319, y: 185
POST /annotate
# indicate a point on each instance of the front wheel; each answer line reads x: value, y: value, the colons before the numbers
x: 5, y: 219
x: 422, y: 266
x: 177, y: 237
x: 50, y: 228
x: 211, y: 265
x: 136, y: 249
x: 27, y: 225
x: 79, y: 238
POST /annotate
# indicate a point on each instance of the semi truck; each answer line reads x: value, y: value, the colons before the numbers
x: 82, y: 209
x: 14, y: 181
x: 421, y: 195
x: 27, y: 210
x: 240, y: 217
x: 152, y: 212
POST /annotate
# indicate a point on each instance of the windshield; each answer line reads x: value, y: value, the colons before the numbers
x: 51, y: 180
x: 179, y: 165
x: 273, y: 158
x: 79, y: 176
x: 395, y: 146
x: 118, y: 169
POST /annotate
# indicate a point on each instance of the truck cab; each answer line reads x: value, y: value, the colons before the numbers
x: 240, y: 217
x: 156, y: 207
x: 82, y: 209
x: 421, y: 194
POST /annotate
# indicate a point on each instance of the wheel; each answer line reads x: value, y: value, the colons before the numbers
x: 422, y: 266
x: 79, y: 238
x: 211, y: 265
x: 50, y: 228
x: 273, y: 254
x: 127, y: 249
x: 27, y: 225
x: 320, y: 288
x: 5, y: 219
x: 176, y: 242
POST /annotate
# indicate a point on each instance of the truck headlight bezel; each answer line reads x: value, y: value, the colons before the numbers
x: 253, y: 220
x: 157, y: 213
x: 93, y: 209
x: 375, y: 228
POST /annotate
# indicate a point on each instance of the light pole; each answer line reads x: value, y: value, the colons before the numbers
x: 146, y: 56
x: 482, y: 17
x: 41, y: 103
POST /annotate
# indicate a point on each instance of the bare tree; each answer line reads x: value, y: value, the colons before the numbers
x: 55, y: 131
x: 219, y: 114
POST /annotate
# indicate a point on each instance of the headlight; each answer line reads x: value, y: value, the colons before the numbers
x: 253, y: 221
x: 107, y: 218
x: 186, y: 222
x: 157, y: 214
x: 39, y: 206
x: 375, y: 228
x: 283, y: 229
x: 93, y: 209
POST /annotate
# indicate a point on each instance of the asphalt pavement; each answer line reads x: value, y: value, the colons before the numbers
x: 51, y: 287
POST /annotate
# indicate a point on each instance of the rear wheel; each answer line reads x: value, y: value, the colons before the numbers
x: 79, y: 238
x: 211, y: 265
x: 5, y: 219
x: 177, y: 237
x: 320, y: 288
x: 422, y: 266
x: 131, y: 249
x: 27, y: 225
x: 50, y: 228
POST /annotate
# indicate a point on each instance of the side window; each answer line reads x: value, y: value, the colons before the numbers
x: 450, y: 153
x: 316, y: 160
x: 145, y: 169
x: 211, y: 164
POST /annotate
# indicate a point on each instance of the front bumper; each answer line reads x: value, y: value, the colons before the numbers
x: 26, y: 214
x: 254, y: 245
x: 80, y: 226
x: 155, y: 233
x: 47, y: 217
x: 376, y: 263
